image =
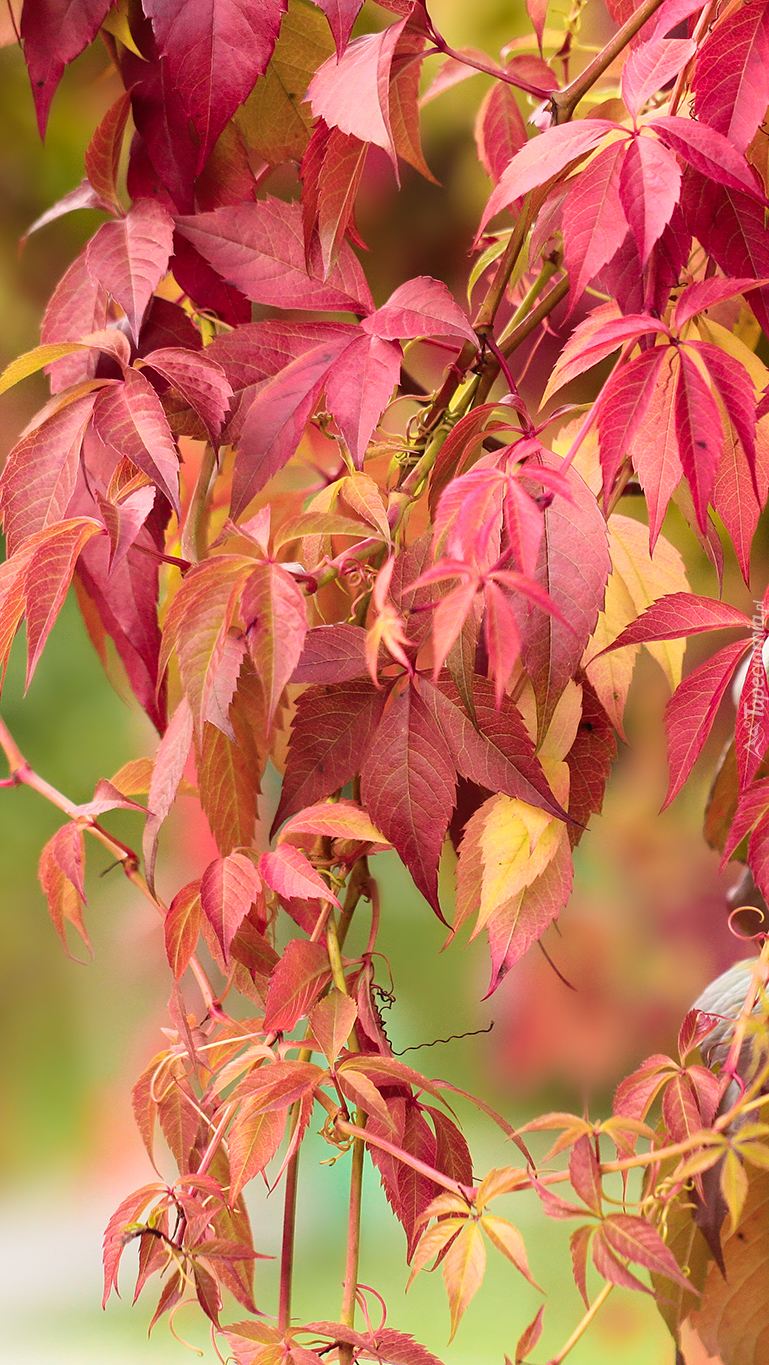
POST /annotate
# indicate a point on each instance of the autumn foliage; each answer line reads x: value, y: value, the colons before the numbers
x: 377, y: 544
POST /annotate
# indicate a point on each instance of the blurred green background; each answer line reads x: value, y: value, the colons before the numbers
x: 645, y: 930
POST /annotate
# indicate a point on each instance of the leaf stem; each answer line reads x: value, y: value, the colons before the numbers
x: 583, y: 1325
x: 289, y: 1228
x: 564, y: 102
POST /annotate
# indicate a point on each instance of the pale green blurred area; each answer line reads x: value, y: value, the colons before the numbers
x: 76, y: 1036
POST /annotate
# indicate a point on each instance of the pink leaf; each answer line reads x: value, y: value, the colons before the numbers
x: 40, y: 471
x: 734, y: 495
x: 677, y: 614
x: 167, y: 773
x: 296, y: 982
x: 47, y: 578
x: 731, y: 74
x: 752, y: 806
x: 215, y: 52
x: 129, y: 257
x: 622, y: 406
x: 421, y: 307
x: 731, y: 227
x: 696, y: 298
x: 542, y: 158
x: 352, y: 92
x: 654, y: 444
x: 77, y: 307
x: 595, y: 338
x: 692, y: 709
x: 228, y: 888
x: 275, y: 617
x: 129, y: 416
x: 200, y: 381
x: 260, y: 249
x: 650, y: 66
x: 639, y: 1241
x: 359, y: 387
x: 650, y: 186
x: 594, y: 224
x: 500, y: 131
x: 698, y: 428
x: 288, y: 872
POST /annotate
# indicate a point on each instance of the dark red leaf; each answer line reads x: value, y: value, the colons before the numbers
x: 692, y: 709
x: 332, y: 731
x: 296, y: 983
x: 54, y: 32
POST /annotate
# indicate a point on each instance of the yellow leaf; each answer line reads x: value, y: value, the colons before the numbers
x: 463, y: 1267
x: 517, y: 843
x: 507, y: 1239
x: 637, y: 579
x: 432, y: 1242
x: 734, y: 1187
x: 499, y: 1181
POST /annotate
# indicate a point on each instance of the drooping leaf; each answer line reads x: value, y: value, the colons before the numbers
x: 332, y: 730
x: 691, y: 711
x: 408, y: 781
x: 228, y: 888
x: 542, y: 158
x: 275, y: 618
x: 731, y: 89
x: 54, y: 34
x: 129, y: 257
x: 290, y: 873
x: 129, y: 416
x: 214, y: 55
x: 182, y: 927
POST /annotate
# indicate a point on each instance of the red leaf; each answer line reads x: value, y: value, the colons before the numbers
x: 276, y: 419
x: 589, y: 759
x: 331, y: 171
x: 182, y: 928
x: 654, y: 444
x: 331, y: 1021
x: 408, y: 782
x: 167, y: 773
x: 542, y: 158
x: 359, y: 387
x: 331, y: 654
x: 252, y: 1142
x: 496, y: 752
x: 731, y: 227
x: 341, y: 15
x: 260, y: 249
x: 692, y: 709
x: 61, y: 877
x: 296, y: 983
x: 573, y: 568
x: 601, y: 333
x: 102, y: 156
x: 41, y: 470
x: 677, y: 614
x: 214, y: 53
x: 125, y: 1214
x: 622, y: 406
x: 698, y: 428
x: 708, y: 152
x: 200, y: 381
x: 228, y: 888
x: 129, y: 257
x: 228, y: 788
x: 77, y: 307
x: 48, y: 576
x: 290, y: 873
x: 736, y: 391
x: 731, y: 74
x: 275, y: 618
x: 333, y: 729
x: 54, y: 33
x: 650, y: 186
x: 579, y: 1242
x: 608, y: 1264
x: 500, y: 131
x: 639, y: 1241
x: 529, y: 1337
x: 585, y: 1174
x: 129, y: 416
x: 594, y: 224
x: 197, y: 625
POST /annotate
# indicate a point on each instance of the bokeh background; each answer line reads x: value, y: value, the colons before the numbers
x: 646, y: 928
